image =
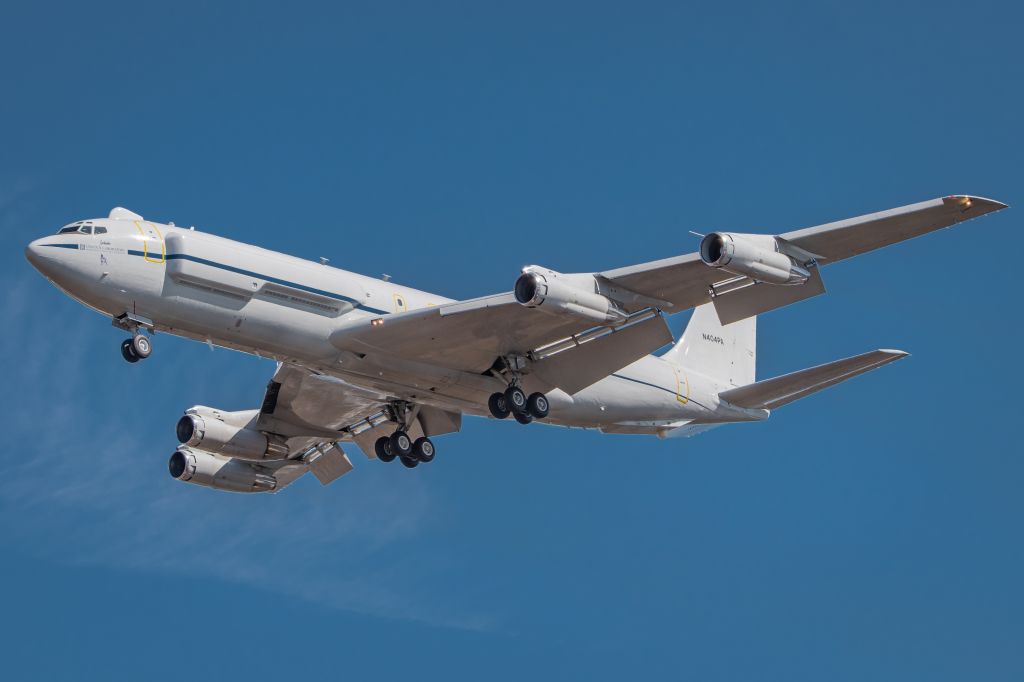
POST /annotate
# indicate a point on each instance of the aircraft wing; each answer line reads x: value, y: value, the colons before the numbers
x: 469, y: 336
x: 684, y: 280
x: 311, y: 414
x: 311, y: 411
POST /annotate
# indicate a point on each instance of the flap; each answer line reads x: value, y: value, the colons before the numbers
x: 580, y: 366
x: 467, y: 336
x: 329, y: 464
x: 754, y: 299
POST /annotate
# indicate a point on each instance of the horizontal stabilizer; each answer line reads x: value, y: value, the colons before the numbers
x: 773, y: 393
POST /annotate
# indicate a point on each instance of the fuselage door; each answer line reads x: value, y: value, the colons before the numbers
x: 153, y: 249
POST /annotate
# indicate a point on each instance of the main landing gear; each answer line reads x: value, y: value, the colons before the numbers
x: 399, y: 445
x: 136, y: 348
x: 515, y: 402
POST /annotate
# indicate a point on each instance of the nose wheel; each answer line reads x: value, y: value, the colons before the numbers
x: 516, y: 403
x: 136, y: 348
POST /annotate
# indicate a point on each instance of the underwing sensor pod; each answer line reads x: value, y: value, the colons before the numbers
x: 760, y: 257
x: 574, y: 295
x: 227, y: 433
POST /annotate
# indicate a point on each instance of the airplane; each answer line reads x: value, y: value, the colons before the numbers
x: 387, y: 367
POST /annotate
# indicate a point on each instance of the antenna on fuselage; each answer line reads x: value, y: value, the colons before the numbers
x: 324, y: 261
x: 386, y: 277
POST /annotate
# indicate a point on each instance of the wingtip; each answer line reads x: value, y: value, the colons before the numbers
x: 970, y: 201
x: 897, y: 354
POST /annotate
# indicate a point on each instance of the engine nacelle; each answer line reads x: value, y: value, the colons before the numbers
x: 549, y: 290
x: 223, y: 473
x: 227, y: 433
x: 756, y: 256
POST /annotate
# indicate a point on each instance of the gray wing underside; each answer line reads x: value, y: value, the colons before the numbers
x: 312, y: 410
x: 469, y: 335
x: 684, y: 281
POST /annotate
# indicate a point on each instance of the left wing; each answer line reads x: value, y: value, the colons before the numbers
x: 470, y: 336
x: 685, y: 281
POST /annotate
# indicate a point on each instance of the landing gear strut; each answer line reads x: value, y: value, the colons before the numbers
x: 139, y: 346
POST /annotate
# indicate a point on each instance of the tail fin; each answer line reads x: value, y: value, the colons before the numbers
x: 727, y: 353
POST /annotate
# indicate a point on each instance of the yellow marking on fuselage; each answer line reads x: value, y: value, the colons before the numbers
x: 145, y: 243
x: 679, y: 395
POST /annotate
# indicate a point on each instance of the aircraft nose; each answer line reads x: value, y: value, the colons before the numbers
x: 33, y: 252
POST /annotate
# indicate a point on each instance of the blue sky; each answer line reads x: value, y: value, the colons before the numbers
x: 871, y: 532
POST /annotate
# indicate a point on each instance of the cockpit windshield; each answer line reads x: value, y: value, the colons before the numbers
x: 79, y: 228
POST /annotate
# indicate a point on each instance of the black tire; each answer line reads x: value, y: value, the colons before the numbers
x: 127, y: 352
x: 515, y: 399
x: 401, y: 444
x: 142, y: 346
x: 423, y: 450
x: 410, y: 462
x: 382, y: 447
x: 498, y: 406
x: 537, y: 405
x: 523, y: 417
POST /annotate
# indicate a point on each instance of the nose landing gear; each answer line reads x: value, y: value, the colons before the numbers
x: 136, y: 348
x: 139, y: 346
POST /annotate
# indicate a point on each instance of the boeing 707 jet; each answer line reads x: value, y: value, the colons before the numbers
x: 387, y: 368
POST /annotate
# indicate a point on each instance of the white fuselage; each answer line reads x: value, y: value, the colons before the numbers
x: 243, y: 297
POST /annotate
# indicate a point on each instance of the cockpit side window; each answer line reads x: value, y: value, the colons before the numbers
x: 100, y: 230
x: 85, y: 229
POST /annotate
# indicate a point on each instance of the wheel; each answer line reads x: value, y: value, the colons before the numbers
x: 142, y: 346
x: 410, y: 462
x: 423, y: 450
x: 523, y: 417
x: 401, y: 444
x: 537, y: 405
x: 383, y: 449
x: 498, y: 406
x: 127, y: 352
x: 515, y: 399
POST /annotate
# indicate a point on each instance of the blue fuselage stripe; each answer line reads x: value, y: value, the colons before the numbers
x: 248, y: 273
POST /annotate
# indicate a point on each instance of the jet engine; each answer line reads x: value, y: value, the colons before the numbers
x: 223, y: 473
x: 228, y: 433
x: 549, y: 290
x: 757, y: 256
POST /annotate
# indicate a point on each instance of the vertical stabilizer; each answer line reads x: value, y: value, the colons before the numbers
x: 726, y: 353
